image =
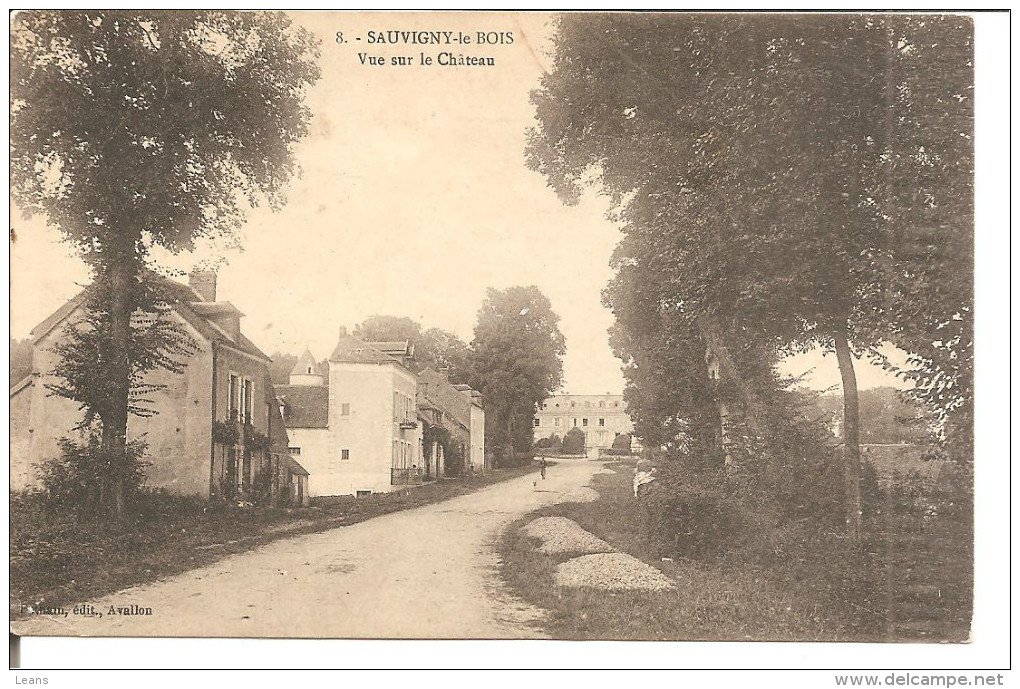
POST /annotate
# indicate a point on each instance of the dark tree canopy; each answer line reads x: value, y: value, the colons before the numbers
x: 434, y: 348
x: 167, y: 123
x: 779, y: 169
x: 516, y: 362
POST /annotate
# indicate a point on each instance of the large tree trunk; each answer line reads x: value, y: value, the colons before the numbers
x: 510, y: 438
x: 726, y: 368
x: 722, y: 434
x: 851, y: 436
x: 121, y: 274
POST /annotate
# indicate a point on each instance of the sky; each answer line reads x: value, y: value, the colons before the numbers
x: 414, y: 198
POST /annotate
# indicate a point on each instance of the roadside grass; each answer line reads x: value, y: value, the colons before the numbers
x: 910, y: 581
x: 61, y: 560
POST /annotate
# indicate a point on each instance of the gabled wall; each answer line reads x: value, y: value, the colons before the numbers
x: 178, y: 436
x: 367, y: 431
x: 478, y: 439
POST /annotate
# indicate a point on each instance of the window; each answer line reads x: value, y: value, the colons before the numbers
x: 602, y: 404
x: 345, y: 409
x: 235, y: 394
x: 616, y: 404
x: 602, y: 422
x: 396, y: 406
x: 544, y: 405
x: 538, y: 422
x: 575, y: 423
x: 587, y: 404
x: 294, y: 450
x: 556, y: 421
x: 584, y: 422
x: 309, y: 370
x: 557, y: 405
x: 249, y: 398
x: 572, y: 404
x: 345, y: 454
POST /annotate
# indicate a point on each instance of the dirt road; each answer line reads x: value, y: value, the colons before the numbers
x: 424, y: 573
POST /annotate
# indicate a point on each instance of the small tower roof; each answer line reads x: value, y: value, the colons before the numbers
x: 305, y: 363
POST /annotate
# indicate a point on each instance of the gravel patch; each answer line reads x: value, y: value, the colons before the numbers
x: 581, y: 494
x: 611, y: 572
x: 561, y: 535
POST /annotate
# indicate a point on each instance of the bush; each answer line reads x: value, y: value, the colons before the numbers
x: 573, y: 442
x: 553, y: 444
x: 694, y: 514
x: 161, y: 506
x: 697, y: 510
x: 83, y: 476
x: 622, y: 442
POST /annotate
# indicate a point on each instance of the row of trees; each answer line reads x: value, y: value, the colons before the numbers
x: 785, y: 182
x: 514, y: 359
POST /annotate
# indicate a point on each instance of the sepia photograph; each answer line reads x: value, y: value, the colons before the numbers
x: 615, y: 326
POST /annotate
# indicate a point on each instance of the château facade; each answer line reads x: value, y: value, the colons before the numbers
x: 600, y: 417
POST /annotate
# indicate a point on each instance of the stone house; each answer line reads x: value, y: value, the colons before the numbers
x: 356, y: 430
x: 216, y: 433
x: 456, y: 409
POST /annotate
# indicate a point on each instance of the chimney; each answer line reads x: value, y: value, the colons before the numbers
x: 204, y: 282
x: 343, y: 331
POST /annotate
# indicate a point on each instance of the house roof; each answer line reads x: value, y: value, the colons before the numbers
x: 395, y: 347
x: 435, y: 389
x: 295, y: 468
x: 277, y: 426
x: 185, y: 301
x: 304, y: 406
x: 24, y: 383
x: 475, y: 398
x: 351, y: 350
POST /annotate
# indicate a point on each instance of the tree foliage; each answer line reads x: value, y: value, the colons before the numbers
x: 516, y: 362
x: 434, y: 348
x: 167, y: 124
x: 158, y: 343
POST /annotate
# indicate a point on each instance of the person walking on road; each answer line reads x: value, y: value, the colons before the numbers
x: 542, y: 465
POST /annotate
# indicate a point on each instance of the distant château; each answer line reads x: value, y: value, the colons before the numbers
x: 600, y: 417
